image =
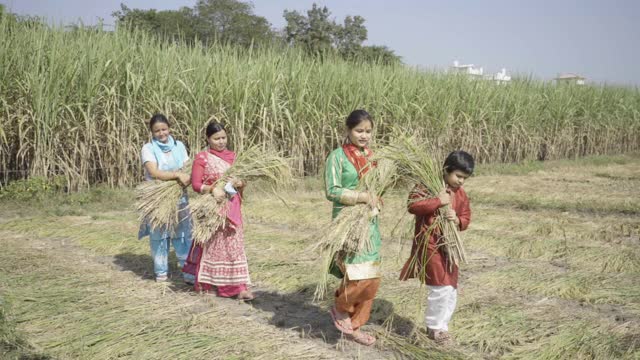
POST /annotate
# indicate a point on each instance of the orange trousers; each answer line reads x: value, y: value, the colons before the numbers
x: 356, y: 299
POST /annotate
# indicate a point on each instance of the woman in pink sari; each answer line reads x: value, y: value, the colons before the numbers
x: 222, y: 261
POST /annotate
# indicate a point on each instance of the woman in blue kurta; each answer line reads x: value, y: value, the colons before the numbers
x: 163, y: 158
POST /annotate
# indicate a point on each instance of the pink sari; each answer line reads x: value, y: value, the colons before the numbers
x: 222, y: 261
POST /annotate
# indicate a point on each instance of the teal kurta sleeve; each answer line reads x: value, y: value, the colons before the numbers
x: 341, y: 179
x: 333, y: 178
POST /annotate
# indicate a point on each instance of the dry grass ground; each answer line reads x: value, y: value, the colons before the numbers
x: 554, y: 269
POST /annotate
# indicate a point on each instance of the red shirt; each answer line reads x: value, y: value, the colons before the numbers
x: 437, y: 267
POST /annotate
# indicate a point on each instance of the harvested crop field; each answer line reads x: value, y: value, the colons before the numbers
x: 554, y: 265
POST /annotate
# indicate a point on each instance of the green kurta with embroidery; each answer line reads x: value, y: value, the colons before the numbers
x: 341, y: 179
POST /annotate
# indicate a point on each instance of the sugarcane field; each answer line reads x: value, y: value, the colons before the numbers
x: 249, y: 194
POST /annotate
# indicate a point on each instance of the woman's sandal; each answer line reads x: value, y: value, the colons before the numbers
x: 343, y: 324
x: 245, y: 295
x: 363, y: 338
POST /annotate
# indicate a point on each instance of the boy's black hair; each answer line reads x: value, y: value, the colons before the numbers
x: 459, y: 160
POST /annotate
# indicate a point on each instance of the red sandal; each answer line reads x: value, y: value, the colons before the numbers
x: 343, y: 324
x: 246, y: 295
x: 363, y: 338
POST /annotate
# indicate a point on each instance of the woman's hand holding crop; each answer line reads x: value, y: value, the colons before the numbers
x: 183, y: 179
x: 218, y: 194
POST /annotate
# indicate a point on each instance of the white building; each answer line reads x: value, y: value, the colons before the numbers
x: 468, y: 69
x: 569, y: 78
x: 501, y: 77
x: 478, y: 73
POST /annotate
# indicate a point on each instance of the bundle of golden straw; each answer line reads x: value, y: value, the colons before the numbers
x: 209, y: 215
x: 348, y: 233
x: 157, y: 202
x: 255, y: 162
x: 418, y: 167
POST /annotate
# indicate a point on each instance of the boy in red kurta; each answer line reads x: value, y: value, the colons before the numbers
x: 440, y: 277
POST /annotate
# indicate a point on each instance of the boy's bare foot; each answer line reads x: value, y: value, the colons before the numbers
x: 440, y: 337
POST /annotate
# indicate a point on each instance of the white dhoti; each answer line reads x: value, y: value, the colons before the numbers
x: 441, y: 303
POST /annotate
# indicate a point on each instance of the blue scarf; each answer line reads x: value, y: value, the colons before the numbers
x: 178, y: 153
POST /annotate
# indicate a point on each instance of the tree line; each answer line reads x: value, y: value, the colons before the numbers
x: 233, y: 22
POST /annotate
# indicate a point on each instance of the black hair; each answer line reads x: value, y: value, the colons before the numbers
x: 213, y: 127
x: 459, y: 160
x: 158, y: 118
x: 356, y: 117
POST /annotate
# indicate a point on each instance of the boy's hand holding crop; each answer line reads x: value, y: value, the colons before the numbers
x: 452, y: 216
x: 445, y: 198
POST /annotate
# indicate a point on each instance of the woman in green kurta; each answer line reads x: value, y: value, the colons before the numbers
x: 344, y: 168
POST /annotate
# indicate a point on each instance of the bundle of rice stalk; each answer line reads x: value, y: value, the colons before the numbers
x: 417, y: 166
x: 348, y: 233
x: 208, y: 215
x: 254, y: 162
x: 157, y: 202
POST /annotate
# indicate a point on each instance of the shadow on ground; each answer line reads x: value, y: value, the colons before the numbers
x: 142, y: 265
x: 297, y: 311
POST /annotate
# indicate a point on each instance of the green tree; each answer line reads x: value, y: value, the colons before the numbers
x: 318, y: 34
x: 232, y: 21
x: 169, y: 23
x: 179, y: 23
x: 350, y: 36
x: 379, y: 54
x: 137, y: 18
x: 315, y: 32
x: 228, y: 21
x: 12, y: 19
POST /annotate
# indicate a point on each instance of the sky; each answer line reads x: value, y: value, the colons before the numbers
x: 539, y: 38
